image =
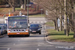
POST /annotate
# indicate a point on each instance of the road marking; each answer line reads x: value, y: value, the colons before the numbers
x: 8, y: 48
x: 65, y: 47
x: 37, y: 48
x: 44, y: 45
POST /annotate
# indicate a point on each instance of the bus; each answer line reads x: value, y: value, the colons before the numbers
x: 17, y: 25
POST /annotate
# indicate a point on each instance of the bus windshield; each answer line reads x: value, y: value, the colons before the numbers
x: 17, y: 25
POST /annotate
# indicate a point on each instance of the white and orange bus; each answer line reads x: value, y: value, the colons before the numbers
x: 17, y: 25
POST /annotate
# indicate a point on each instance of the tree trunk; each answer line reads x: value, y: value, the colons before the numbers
x: 74, y: 35
x: 65, y: 20
x: 21, y: 2
x: 13, y: 9
x: 60, y: 20
x: 56, y: 25
x: 37, y: 7
x: 13, y: 6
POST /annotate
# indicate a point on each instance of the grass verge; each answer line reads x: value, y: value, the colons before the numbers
x: 37, y: 15
x: 6, y: 10
x: 54, y: 35
x: 50, y: 24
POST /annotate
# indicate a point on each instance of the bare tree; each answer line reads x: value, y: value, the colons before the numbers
x: 24, y: 4
x: 12, y: 4
x: 57, y: 9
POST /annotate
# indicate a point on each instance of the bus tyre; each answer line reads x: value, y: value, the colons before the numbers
x: 28, y: 35
x: 9, y: 35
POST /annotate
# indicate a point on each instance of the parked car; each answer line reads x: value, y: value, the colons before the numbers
x: 35, y: 28
x: 3, y: 29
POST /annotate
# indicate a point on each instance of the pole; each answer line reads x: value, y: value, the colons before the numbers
x: 9, y: 13
x: 28, y: 11
x: 25, y: 4
x: 20, y: 14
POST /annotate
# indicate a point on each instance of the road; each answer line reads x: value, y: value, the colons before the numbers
x: 37, y: 20
x: 34, y: 42
x: 1, y: 20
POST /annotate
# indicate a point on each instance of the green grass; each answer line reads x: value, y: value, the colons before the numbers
x: 6, y: 10
x: 37, y: 15
x: 0, y: 8
x: 17, y: 8
x: 50, y: 23
x: 60, y: 36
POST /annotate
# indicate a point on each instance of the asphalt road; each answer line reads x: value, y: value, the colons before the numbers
x: 34, y: 42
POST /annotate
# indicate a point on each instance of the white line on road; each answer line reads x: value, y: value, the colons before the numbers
x: 8, y: 48
x: 44, y: 45
x: 37, y: 48
x: 65, y: 47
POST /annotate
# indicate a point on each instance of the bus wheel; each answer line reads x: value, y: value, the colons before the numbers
x: 28, y: 35
x: 9, y: 35
x: 39, y: 32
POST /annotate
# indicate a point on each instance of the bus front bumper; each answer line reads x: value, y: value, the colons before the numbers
x: 19, y: 33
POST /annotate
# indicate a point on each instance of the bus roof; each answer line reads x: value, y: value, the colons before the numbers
x: 18, y: 16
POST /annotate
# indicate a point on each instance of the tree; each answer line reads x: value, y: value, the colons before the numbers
x: 65, y: 19
x: 12, y: 4
x: 58, y: 8
x: 2, y: 2
x: 25, y: 4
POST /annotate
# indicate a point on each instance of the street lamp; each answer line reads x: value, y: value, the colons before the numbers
x: 27, y: 10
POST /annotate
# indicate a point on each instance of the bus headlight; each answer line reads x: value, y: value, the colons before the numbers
x: 26, y: 30
x: 8, y: 30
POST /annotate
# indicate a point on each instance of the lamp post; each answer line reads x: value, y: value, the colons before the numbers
x: 24, y: 4
x: 28, y: 11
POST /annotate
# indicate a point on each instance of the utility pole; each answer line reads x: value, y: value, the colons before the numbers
x: 25, y: 4
x: 65, y: 19
x: 28, y: 9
